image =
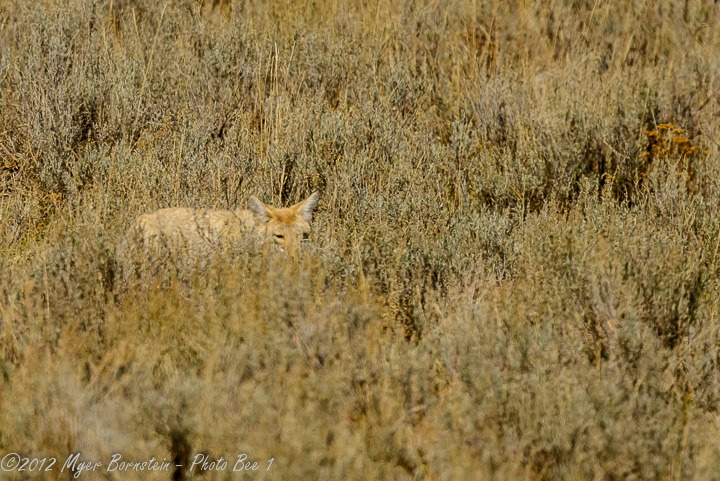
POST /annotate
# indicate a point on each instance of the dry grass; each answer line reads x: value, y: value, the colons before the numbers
x: 513, y: 271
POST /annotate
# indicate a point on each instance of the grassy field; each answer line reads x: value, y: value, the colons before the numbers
x: 513, y: 272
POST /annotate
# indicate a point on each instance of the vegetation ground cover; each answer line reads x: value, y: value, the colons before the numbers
x: 513, y: 270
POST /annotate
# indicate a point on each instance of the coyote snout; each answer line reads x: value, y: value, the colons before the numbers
x: 191, y: 236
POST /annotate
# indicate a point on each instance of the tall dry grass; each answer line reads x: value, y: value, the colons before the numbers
x: 513, y: 272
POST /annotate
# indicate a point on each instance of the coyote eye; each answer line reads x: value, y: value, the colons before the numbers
x: 306, y: 235
x: 279, y: 236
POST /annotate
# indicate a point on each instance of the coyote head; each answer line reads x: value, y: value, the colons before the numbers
x: 284, y: 227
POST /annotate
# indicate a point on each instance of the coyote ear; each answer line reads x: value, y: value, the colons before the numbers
x: 306, y: 207
x: 260, y: 210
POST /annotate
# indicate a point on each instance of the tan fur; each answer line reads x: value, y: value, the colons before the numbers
x: 193, y: 235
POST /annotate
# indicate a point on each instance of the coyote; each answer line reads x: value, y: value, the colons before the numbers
x: 191, y: 236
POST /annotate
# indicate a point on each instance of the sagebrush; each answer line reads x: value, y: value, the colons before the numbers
x: 513, y: 268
